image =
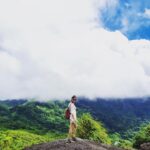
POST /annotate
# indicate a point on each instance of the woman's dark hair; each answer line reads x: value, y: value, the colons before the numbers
x: 74, y: 96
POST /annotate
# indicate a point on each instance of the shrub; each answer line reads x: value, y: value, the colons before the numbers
x: 18, y: 139
x: 143, y: 136
x: 90, y: 129
x: 119, y: 142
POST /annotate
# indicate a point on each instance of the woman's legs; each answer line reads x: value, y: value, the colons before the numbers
x: 74, y: 127
x: 72, y: 130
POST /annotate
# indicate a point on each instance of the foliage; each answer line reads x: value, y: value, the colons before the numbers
x: 126, y: 144
x: 119, y: 142
x: 35, y: 116
x: 18, y: 139
x: 90, y: 129
x: 119, y: 115
x: 38, y: 117
x: 142, y: 136
x: 122, y: 116
x: 46, y: 119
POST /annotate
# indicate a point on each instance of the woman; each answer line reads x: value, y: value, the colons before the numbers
x: 73, y: 119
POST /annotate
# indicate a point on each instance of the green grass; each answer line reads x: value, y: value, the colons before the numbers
x: 19, y: 139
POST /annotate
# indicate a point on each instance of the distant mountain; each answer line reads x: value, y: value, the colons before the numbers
x: 33, y: 115
x: 13, y: 102
x: 118, y: 115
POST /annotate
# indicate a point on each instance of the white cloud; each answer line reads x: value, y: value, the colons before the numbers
x: 54, y: 49
x: 147, y: 13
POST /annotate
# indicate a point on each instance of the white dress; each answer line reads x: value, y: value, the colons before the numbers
x: 72, y: 109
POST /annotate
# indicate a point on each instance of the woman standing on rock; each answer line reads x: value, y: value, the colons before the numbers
x: 73, y: 119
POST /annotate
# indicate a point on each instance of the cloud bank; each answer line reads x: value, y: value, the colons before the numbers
x: 54, y: 49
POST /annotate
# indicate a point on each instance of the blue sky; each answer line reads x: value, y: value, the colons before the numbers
x: 131, y: 17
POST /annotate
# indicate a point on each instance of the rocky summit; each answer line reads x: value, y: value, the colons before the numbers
x: 77, y: 145
x: 145, y: 146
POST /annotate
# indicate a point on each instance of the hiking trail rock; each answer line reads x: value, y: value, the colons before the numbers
x: 145, y: 146
x: 80, y: 144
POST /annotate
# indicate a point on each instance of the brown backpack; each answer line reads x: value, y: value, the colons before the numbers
x: 67, y: 114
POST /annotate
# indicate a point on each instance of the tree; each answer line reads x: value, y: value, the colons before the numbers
x: 90, y: 129
x: 143, y: 136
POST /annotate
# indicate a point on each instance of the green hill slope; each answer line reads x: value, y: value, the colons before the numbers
x: 18, y: 139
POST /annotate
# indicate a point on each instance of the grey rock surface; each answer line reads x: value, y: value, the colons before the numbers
x: 77, y: 145
x: 145, y: 146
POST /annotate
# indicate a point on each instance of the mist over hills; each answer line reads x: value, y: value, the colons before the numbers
x: 117, y: 115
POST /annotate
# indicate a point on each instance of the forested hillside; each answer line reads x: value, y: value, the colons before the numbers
x: 117, y: 115
x: 33, y: 115
x: 45, y: 120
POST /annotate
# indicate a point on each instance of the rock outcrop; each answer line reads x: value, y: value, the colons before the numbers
x: 145, y: 146
x: 77, y: 145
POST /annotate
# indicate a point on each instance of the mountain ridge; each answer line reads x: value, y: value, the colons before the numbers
x: 118, y: 115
